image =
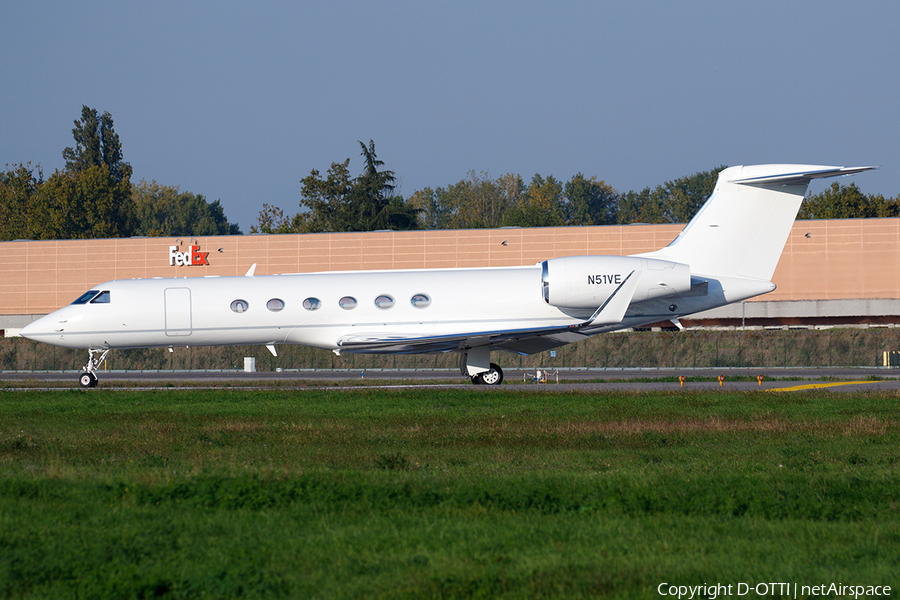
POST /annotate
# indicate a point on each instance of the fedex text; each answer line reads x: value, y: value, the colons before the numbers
x: 192, y: 258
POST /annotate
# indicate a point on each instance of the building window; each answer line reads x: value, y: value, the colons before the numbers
x: 384, y: 301
x: 312, y: 304
x: 275, y: 304
x: 240, y: 306
x: 420, y: 301
x: 347, y: 303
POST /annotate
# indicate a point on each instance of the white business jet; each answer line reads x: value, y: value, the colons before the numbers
x: 727, y: 253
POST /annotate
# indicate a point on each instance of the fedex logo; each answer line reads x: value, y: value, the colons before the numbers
x: 192, y: 258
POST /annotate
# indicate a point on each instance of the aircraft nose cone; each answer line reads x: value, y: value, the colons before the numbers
x: 36, y: 329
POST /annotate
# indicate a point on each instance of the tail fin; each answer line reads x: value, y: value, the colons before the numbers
x: 741, y: 229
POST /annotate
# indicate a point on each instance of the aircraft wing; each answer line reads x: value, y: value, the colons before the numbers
x: 524, y: 340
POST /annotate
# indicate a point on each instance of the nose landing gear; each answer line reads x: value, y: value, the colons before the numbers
x: 88, y: 379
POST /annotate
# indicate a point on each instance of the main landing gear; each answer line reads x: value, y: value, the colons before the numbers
x: 475, y: 363
x: 88, y: 379
x: 493, y: 376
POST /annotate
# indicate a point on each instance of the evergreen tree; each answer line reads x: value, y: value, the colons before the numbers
x: 339, y: 202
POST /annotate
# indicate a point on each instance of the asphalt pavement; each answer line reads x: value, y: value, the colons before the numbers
x: 844, y: 379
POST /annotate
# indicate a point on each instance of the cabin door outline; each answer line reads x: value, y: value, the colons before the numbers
x: 178, y: 312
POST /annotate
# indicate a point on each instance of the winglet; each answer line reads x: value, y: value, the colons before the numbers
x: 251, y: 271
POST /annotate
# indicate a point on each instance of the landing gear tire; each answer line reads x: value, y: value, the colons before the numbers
x: 97, y: 356
x: 88, y: 380
x: 492, y: 377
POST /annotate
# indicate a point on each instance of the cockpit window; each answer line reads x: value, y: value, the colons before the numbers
x: 86, y: 297
x: 102, y: 298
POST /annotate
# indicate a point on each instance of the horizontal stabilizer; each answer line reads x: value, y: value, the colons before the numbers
x: 802, y: 177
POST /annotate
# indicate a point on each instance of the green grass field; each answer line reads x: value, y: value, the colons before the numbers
x: 442, y: 493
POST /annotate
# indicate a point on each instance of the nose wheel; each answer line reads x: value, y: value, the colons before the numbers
x: 97, y: 356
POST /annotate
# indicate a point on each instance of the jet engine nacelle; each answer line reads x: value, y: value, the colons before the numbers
x: 587, y: 281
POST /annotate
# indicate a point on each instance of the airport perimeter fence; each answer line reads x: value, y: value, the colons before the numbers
x: 700, y: 348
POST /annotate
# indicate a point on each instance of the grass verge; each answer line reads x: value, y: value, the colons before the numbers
x: 442, y: 493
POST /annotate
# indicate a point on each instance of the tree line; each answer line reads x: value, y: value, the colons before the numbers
x: 339, y: 202
x: 93, y: 197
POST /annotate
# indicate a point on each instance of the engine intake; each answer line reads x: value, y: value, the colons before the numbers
x: 588, y: 281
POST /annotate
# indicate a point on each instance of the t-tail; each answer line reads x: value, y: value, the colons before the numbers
x: 741, y: 230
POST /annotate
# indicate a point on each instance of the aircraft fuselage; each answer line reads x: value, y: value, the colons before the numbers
x: 302, y: 309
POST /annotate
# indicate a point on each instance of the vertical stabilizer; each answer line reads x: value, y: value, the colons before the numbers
x: 741, y: 229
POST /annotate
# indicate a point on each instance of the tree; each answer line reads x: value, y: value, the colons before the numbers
x: 96, y: 143
x: 590, y: 202
x: 433, y: 213
x: 675, y: 201
x: 472, y: 203
x: 339, y: 202
x: 81, y: 205
x: 328, y: 201
x: 162, y: 210
x: 17, y: 188
x: 372, y: 202
x: 684, y: 196
x: 640, y: 207
x: 380, y: 183
x: 540, y: 205
x: 91, y: 198
x: 271, y: 220
x: 848, y: 202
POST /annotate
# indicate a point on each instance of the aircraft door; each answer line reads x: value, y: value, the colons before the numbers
x: 178, y: 311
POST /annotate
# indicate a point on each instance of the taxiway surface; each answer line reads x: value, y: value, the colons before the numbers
x: 774, y: 378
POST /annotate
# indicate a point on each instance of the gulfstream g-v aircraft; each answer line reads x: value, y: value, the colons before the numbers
x: 727, y: 253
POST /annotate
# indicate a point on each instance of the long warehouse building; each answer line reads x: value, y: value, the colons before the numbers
x: 832, y: 272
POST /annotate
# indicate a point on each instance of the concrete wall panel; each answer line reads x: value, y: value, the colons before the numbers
x: 822, y: 260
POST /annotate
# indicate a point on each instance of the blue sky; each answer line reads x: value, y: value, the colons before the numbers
x: 239, y: 101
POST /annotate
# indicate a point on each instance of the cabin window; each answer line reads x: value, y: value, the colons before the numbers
x: 312, y: 304
x: 275, y: 304
x: 240, y: 306
x: 384, y: 301
x: 420, y: 301
x: 347, y: 303
x: 86, y: 297
x: 102, y: 298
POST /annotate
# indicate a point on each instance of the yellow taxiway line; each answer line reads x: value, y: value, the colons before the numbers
x: 813, y: 386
